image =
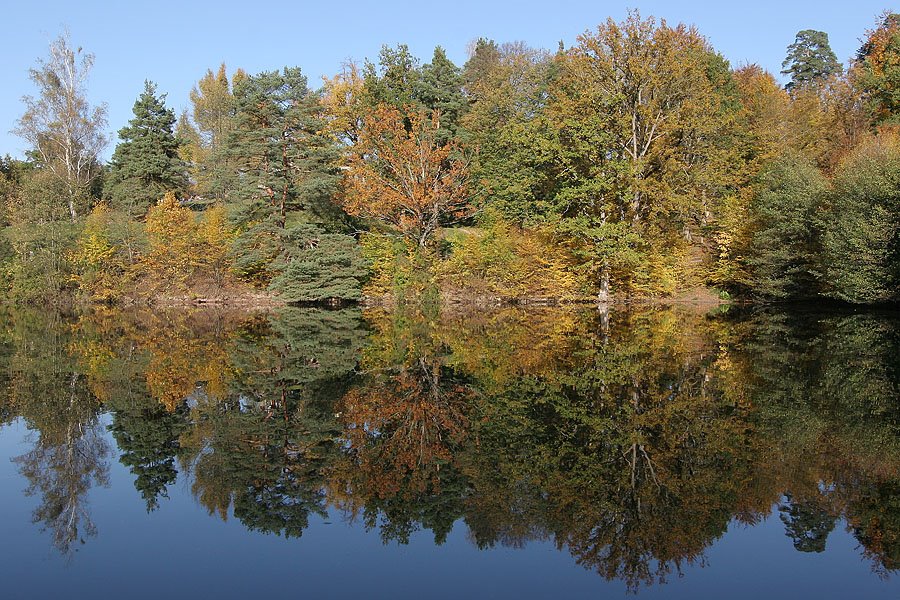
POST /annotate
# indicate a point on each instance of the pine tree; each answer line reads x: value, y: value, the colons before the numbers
x: 286, y: 165
x: 809, y: 60
x: 440, y: 89
x: 394, y: 80
x: 318, y: 266
x: 146, y: 164
x: 284, y: 160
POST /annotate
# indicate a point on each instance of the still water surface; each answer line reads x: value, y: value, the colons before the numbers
x: 539, y: 453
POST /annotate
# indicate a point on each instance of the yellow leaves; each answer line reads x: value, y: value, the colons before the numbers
x: 342, y: 104
x: 99, y: 263
x: 508, y: 261
x: 182, y: 248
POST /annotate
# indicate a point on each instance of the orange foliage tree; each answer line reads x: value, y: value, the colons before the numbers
x: 399, y: 173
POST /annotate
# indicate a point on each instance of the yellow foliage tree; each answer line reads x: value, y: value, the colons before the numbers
x: 100, y: 267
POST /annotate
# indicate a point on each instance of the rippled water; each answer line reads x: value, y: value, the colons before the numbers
x: 515, y: 453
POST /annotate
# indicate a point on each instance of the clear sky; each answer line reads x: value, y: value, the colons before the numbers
x: 173, y: 43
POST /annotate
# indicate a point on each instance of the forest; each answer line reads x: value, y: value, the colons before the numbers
x: 637, y: 163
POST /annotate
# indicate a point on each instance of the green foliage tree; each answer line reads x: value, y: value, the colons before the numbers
x: 786, y: 247
x: 286, y: 166
x: 317, y: 266
x: 440, y: 89
x: 810, y: 60
x: 512, y: 166
x: 393, y: 80
x: 862, y: 253
x: 146, y: 164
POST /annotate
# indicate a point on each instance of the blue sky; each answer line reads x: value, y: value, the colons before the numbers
x: 173, y: 43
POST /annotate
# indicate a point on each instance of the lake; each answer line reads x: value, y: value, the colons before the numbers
x: 518, y: 452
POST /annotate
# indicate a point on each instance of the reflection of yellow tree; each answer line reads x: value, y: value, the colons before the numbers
x: 616, y: 448
x: 184, y: 356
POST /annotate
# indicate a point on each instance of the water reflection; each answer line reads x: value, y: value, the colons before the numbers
x: 631, y: 440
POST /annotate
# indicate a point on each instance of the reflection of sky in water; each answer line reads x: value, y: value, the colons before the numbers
x: 530, y: 446
x: 182, y: 550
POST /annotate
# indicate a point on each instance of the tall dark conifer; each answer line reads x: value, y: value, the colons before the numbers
x: 146, y: 164
x: 440, y: 89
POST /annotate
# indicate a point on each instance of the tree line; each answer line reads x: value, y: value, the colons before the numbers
x: 637, y: 162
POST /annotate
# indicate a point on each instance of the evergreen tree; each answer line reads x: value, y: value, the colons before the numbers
x: 440, y: 89
x: 809, y: 60
x: 317, y: 266
x: 286, y: 166
x: 147, y: 436
x: 146, y: 163
x: 284, y: 161
x: 394, y: 80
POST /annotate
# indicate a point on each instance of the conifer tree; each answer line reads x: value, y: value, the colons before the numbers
x: 318, y: 266
x: 146, y: 164
x: 809, y: 60
x: 440, y: 89
x: 286, y: 166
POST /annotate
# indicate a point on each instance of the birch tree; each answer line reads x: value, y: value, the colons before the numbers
x: 66, y: 133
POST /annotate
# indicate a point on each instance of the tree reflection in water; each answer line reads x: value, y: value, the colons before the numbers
x: 631, y: 439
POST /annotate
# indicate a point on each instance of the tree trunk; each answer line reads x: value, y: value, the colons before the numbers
x: 603, y: 294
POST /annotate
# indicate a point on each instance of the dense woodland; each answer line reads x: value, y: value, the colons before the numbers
x: 637, y: 162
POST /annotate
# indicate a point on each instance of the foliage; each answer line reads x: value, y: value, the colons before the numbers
x: 501, y: 259
x: 180, y: 248
x: 65, y: 132
x: 146, y: 164
x: 786, y: 246
x: 101, y: 263
x: 877, y: 68
x: 403, y: 176
x: 810, y: 60
x: 317, y: 266
x: 861, y: 231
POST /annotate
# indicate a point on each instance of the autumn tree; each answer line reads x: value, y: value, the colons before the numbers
x: 641, y: 111
x: 507, y: 86
x: 213, y: 117
x: 877, y: 68
x: 343, y: 104
x: 146, y: 164
x: 404, y: 176
x: 65, y: 132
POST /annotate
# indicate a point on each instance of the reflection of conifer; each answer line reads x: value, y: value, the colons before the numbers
x: 148, y: 440
x: 806, y: 524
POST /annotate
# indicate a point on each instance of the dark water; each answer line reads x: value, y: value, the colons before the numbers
x: 541, y: 453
